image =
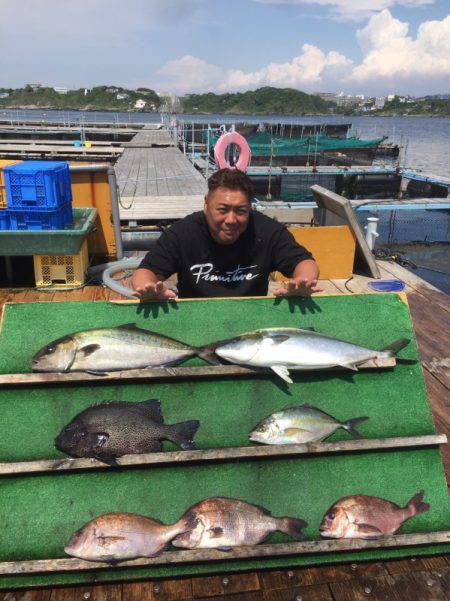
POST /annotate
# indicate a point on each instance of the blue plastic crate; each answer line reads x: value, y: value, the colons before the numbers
x: 41, y: 219
x: 4, y: 219
x: 37, y: 184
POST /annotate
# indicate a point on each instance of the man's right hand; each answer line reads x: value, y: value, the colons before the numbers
x: 146, y: 285
x: 154, y: 291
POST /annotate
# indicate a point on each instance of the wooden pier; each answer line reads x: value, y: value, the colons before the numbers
x: 422, y: 578
x: 156, y: 180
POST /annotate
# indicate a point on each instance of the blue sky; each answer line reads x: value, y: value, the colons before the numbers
x: 181, y: 46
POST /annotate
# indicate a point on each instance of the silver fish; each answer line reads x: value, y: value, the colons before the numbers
x: 118, y: 536
x: 222, y: 523
x: 282, y: 349
x: 301, y: 424
x: 361, y: 516
x: 111, y: 349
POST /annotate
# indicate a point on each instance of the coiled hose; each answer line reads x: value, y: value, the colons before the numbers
x: 112, y: 268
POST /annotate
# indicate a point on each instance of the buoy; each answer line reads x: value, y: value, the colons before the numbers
x: 222, y: 144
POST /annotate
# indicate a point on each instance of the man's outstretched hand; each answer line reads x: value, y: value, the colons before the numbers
x: 146, y: 285
x: 298, y: 287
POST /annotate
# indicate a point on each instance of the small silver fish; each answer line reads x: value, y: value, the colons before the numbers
x: 282, y: 349
x: 111, y: 349
x: 119, y: 536
x: 362, y: 516
x: 222, y: 523
x: 300, y: 424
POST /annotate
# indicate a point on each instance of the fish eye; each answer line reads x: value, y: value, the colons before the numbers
x: 331, y: 515
x: 50, y: 349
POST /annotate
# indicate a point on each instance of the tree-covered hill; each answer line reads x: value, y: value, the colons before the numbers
x: 264, y: 101
x: 98, y: 98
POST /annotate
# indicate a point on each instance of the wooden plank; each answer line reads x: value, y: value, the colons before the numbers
x: 211, y: 586
x: 415, y: 564
x: 320, y: 592
x: 224, y: 454
x: 400, y: 587
x: 320, y: 575
x: 154, y: 373
x: 158, y: 590
x: 342, y: 207
x: 201, y: 555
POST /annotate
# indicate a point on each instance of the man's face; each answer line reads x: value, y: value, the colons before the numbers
x: 227, y: 212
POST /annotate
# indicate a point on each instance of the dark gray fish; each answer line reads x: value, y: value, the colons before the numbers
x: 114, y: 428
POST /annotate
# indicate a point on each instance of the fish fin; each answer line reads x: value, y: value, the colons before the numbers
x: 215, y: 532
x: 351, y: 366
x: 292, y: 527
x: 111, y: 461
x: 224, y: 549
x: 282, y: 372
x: 369, y: 530
x: 309, y: 329
x: 294, y: 431
x: 393, y: 348
x: 350, y: 426
x: 279, y: 338
x: 151, y: 408
x: 89, y: 349
x: 207, y: 353
x: 154, y: 446
x: 129, y: 326
x: 183, y: 434
x: 105, y: 540
x: 416, y: 504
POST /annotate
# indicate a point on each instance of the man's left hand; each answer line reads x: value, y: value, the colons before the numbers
x: 298, y: 287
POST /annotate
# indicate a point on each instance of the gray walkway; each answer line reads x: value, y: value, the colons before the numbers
x: 152, y: 177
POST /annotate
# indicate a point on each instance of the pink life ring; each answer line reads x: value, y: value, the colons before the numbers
x: 244, y: 151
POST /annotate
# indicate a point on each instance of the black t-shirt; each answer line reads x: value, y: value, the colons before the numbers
x: 206, y: 268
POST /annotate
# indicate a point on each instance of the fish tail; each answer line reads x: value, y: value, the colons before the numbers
x: 292, y: 526
x: 392, y: 349
x: 350, y: 426
x: 416, y: 504
x: 208, y: 353
x: 186, y: 523
x: 183, y: 434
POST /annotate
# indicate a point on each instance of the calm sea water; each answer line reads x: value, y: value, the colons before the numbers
x: 425, y: 141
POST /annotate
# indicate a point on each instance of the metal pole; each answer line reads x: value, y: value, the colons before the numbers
x: 114, y: 196
x: 207, y: 153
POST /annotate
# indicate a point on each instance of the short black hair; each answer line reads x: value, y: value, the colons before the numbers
x: 233, y: 179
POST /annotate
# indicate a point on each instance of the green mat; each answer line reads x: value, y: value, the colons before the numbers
x: 39, y: 513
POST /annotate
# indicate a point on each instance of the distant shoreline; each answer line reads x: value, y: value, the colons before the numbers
x: 202, y: 114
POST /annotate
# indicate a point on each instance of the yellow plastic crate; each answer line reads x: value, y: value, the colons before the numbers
x: 4, y: 163
x: 63, y: 271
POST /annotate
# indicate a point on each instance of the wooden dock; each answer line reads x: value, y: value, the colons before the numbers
x: 421, y: 579
x: 156, y: 181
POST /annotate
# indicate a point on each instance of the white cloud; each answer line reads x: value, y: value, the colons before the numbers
x: 391, y: 59
x: 353, y: 10
x: 390, y: 54
x: 306, y: 70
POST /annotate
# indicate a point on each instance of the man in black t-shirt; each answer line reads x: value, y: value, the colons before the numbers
x: 226, y: 250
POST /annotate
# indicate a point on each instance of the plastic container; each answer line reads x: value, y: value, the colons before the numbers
x: 3, y: 164
x: 49, y: 242
x: 61, y: 271
x: 32, y: 185
x: 5, y: 221
x: 41, y: 219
